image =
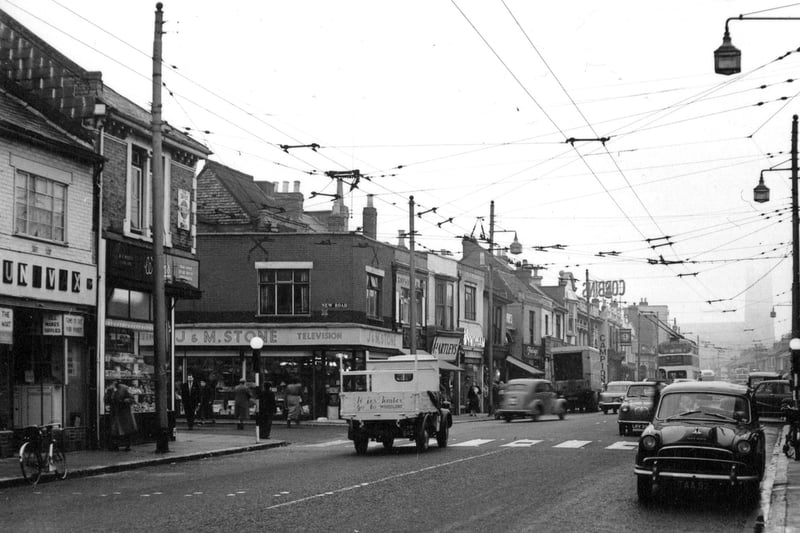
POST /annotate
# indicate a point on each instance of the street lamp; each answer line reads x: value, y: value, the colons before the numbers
x: 728, y: 58
x: 256, y: 343
x: 761, y: 194
x: 516, y: 249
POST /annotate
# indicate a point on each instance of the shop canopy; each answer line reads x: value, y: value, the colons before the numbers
x: 443, y: 364
x: 524, y: 366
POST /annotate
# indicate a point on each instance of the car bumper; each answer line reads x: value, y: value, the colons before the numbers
x: 610, y: 405
x: 695, y: 469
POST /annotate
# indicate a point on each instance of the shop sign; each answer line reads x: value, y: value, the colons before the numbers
x: 53, y: 324
x: 282, y: 337
x: 73, y: 326
x: 624, y: 337
x: 6, y: 325
x: 605, y: 289
x: 446, y: 347
x: 130, y: 262
x: 46, y: 278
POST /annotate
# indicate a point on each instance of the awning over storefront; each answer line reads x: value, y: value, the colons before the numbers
x: 524, y: 366
x: 444, y: 365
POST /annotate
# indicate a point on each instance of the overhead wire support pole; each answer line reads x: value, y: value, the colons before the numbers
x: 159, y: 307
x: 490, y: 333
x: 795, y: 271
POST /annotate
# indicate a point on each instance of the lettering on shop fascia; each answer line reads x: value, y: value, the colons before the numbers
x: 286, y: 337
x: 29, y: 276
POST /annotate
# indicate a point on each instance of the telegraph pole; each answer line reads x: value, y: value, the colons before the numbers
x: 159, y: 307
x: 412, y: 281
x: 490, y: 333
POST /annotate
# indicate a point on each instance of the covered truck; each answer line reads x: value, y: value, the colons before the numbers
x: 395, y: 398
x: 576, y: 375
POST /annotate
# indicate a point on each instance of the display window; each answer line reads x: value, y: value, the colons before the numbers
x: 125, y: 362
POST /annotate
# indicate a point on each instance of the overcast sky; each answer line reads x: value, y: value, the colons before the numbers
x: 462, y: 102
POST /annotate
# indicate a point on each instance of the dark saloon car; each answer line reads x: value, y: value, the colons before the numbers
x: 702, y: 432
x: 770, y: 395
x: 611, y: 398
x: 638, y: 406
x: 530, y: 397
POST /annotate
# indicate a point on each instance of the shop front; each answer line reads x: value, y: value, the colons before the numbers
x: 472, y: 347
x: 127, y: 331
x: 47, y: 320
x: 220, y: 355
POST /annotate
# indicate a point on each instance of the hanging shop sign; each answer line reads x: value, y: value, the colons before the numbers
x: 447, y: 347
x: 624, y: 337
x: 132, y: 263
x: 6, y: 325
x: 53, y: 324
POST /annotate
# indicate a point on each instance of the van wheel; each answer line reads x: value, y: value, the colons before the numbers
x: 387, y: 442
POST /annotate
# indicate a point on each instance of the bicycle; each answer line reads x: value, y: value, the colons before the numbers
x: 791, y: 443
x: 40, y: 453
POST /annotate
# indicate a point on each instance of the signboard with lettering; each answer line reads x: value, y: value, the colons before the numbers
x: 53, y: 324
x: 40, y: 277
x: 73, y: 326
x: 446, y: 347
x: 130, y: 262
x: 285, y: 336
x: 624, y: 337
x: 6, y: 325
x: 605, y: 289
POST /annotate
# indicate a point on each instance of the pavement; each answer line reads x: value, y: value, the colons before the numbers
x: 781, y: 512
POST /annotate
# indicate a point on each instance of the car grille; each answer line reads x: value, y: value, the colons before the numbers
x: 694, y: 459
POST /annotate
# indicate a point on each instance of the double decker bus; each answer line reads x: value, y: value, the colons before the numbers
x: 678, y: 358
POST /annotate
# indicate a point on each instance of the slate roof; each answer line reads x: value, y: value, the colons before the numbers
x: 19, y: 119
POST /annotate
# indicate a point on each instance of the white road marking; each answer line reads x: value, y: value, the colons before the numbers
x: 474, y: 443
x: 572, y: 444
x: 326, y: 444
x: 623, y: 445
x: 522, y: 443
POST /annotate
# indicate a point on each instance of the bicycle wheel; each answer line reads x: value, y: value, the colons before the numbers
x: 60, y: 463
x: 29, y: 463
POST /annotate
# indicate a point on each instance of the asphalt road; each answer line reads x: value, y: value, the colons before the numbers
x: 551, y: 475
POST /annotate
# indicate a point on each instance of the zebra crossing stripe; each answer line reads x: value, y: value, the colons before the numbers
x: 326, y: 444
x: 473, y: 443
x: 623, y: 445
x: 572, y: 444
x: 522, y: 443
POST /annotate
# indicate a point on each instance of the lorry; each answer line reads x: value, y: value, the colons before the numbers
x: 395, y: 398
x: 577, y: 376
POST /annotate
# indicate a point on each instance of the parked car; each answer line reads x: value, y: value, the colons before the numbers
x: 705, y: 432
x: 530, y: 397
x: 611, y: 398
x: 770, y: 396
x: 637, y: 407
x: 754, y: 378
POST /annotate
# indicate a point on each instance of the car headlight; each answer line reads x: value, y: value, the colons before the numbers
x: 624, y: 408
x: 743, y: 447
x: 649, y: 442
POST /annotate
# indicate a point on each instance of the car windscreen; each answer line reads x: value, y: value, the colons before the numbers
x: 617, y: 387
x: 703, y: 405
x: 517, y: 387
x: 641, y: 391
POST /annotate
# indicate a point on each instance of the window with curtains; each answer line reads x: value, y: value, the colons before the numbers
x: 39, y: 207
x: 283, y: 292
x: 374, y: 289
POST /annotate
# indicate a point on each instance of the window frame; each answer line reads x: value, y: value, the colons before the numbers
x: 130, y: 227
x: 444, y: 306
x: 299, y: 291
x: 470, y: 302
x: 32, y: 203
x: 374, y: 295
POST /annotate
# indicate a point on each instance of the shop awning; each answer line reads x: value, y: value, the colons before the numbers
x: 444, y: 365
x: 524, y: 366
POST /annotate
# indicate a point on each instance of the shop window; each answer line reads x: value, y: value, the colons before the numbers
x: 283, y: 292
x: 374, y: 290
x: 39, y: 207
x: 133, y: 305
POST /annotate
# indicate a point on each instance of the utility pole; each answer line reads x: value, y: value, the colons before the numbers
x: 795, y: 273
x: 412, y: 280
x: 490, y: 333
x: 159, y: 307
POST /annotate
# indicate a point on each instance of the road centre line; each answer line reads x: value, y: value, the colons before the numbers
x: 383, y: 480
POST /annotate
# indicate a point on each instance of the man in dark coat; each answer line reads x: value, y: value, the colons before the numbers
x: 190, y: 397
x: 266, y: 410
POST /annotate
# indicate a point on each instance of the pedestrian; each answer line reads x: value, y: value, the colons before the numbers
x: 293, y: 402
x: 241, y: 397
x: 190, y: 397
x: 123, y: 425
x: 266, y: 410
x: 473, y: 403
x: 205, y: 411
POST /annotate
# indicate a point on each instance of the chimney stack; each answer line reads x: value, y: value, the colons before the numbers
x: 401, y: 238
x: 370, y: 219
